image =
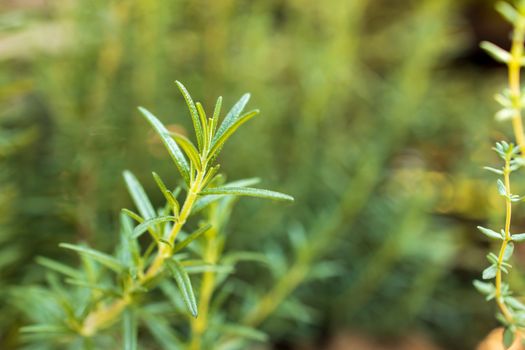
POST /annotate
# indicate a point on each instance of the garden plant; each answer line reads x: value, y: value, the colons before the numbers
x: 115, y: 288
x: 511, y: 310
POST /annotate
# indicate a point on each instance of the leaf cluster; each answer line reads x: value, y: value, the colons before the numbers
x: 116, y: 288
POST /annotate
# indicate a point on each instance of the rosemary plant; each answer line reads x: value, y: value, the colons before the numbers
x: 511, y: 311
x: 115, y: 288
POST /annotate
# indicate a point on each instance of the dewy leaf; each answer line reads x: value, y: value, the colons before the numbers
x: 189, y: 149
x: 490, y: 272
x: 184, y: 284
x: 140, y: 229
x: 489, y: 233
x: 496, y: 52
x: 129, y: 329
x: 218, y: 141
x: 193, y: 112
x: 102, y: 258
x: 169, y: 143
x: 139, y: 196
x: 216, y: 113
x: 202, y: 116
x: 231, y: 116
x: 247, y: 191
x: 193, y: 236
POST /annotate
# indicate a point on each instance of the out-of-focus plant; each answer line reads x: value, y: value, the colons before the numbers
x: 107, y: 289
x: 511, y: 311
x: 358, y: 96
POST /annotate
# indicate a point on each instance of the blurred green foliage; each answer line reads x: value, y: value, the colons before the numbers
x: 370, y: 118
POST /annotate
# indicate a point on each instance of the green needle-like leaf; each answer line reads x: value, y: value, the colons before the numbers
x: 58, y: 267
x: 518, y: 237
x: 231, y: 116
x: 102, y: 258
x: 170, y: 198
x: 189, y: 149
x: 247, y: 191
x: 244, y: 332
x: 169, y: 143
x: 507, y: 11
x: 184, y: 284
x: 484, y: 287
x: 509, y: 249
x: 501, y: 187
x: 202, y: 116
x: 133, y: 215
x: 220, y: 140
x: 193, y: 112
x: 508, y: 337
x: 489, y: 233
x: 129, y: 330
x: 490, y: 272
x: 147, y: 224
x: 139, y: 196
x: 496, y: 52
x: 44, y: 328
x: 193, y: 236
x: 216, y: 113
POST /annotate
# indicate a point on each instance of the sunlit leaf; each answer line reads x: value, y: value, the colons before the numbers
x: 496, y: 52
x: 189, y: 149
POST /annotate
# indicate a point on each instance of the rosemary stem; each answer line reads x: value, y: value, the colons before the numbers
x: 514, y: 66
x: 200, y: 324
x: 508, y: 214
x: 106, y: 315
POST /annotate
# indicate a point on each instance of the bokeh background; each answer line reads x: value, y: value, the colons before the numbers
x: 377, y: 115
